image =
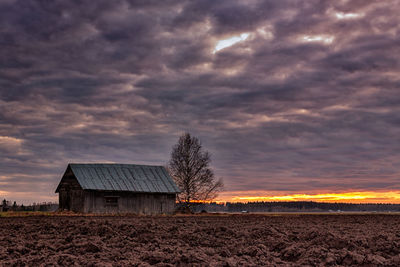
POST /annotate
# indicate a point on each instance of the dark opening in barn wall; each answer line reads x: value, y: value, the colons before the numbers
x: 111, y: 201
x: 112, y: 188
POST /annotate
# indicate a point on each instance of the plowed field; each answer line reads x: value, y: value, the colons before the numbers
x: 216, y: 240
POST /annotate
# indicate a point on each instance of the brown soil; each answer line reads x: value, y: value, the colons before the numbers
x: 235, y: 240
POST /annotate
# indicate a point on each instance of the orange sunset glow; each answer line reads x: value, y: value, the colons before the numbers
x: 347, y: 197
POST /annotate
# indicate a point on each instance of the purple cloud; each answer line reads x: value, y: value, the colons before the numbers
x: 307, y: 102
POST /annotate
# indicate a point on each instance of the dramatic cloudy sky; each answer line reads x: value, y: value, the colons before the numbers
x: 306, y: 101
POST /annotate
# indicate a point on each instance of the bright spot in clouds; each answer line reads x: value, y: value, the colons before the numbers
x: 7, y: 140
x: 230, y: 41
x: 341, y: 15
x: 319, y: 38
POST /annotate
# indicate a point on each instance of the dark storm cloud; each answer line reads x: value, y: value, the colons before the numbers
x: 309, y: 101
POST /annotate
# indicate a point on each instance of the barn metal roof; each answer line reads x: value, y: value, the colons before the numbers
x: 124, y: 177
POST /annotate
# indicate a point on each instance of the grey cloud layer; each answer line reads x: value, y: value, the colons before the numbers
x: 118, y: 81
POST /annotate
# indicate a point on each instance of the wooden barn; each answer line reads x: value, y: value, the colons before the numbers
x: 117, y: 188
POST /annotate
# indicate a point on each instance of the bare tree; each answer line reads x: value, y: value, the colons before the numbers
x: 189, y: 167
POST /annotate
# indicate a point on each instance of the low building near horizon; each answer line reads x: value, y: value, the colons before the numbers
x: 117, y: 188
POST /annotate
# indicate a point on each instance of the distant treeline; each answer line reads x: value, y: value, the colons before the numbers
x: 292, y: 207
x: 44, y: 206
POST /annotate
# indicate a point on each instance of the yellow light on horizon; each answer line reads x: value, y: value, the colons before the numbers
x: 350, y: 197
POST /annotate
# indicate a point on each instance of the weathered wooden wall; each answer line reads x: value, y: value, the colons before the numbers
x: 128, y: 202
x: 71, y: 195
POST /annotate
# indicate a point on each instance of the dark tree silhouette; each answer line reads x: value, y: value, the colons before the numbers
x: 4, y: 205
x: 189, y: 167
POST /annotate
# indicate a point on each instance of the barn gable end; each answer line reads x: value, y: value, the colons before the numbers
x: 71, y: 194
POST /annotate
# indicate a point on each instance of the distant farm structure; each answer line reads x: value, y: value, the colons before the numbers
x: 117, y: 188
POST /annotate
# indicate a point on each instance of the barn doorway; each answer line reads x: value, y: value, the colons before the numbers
x: 162, y: 207
x: 68, y: 200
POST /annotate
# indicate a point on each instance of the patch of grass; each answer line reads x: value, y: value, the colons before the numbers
x: 26, y: 213
x: 9, y: 214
